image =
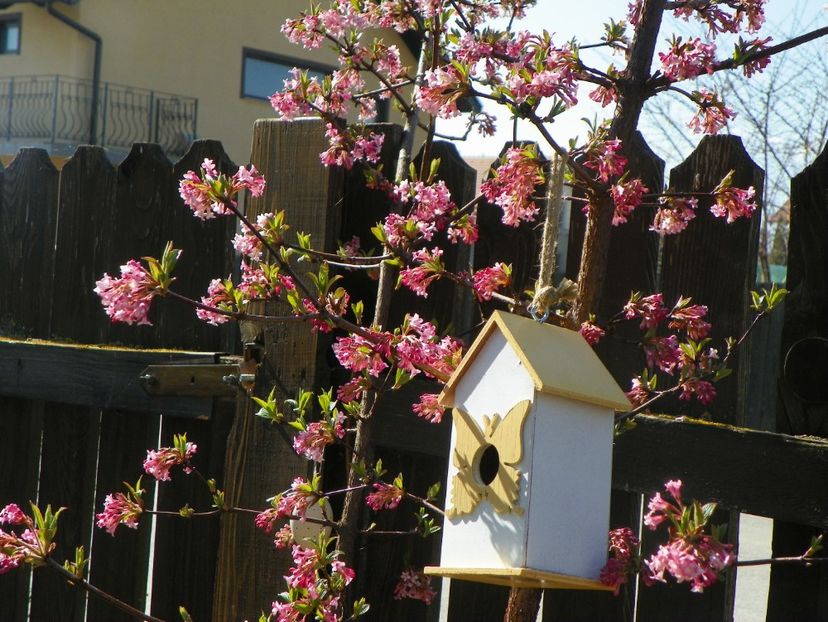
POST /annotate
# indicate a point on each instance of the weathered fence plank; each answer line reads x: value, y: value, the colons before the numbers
x: 21, y: 422
x: 185, y: 550
x: 696, y: 263
x: 124, y: 439
x: 796, y: 592
x: 206, y: 255
x: 27, y: 229
x: 259, y: 463
x: 714, y: 262
x: 82, y: 245
x: 97, y: 377
x: 67, y: 474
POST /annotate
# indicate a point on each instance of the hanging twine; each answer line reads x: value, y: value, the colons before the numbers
x: 547, y: 295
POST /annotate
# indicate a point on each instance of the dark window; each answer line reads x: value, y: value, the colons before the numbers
x: 10, y: 34
x: 264, y: 73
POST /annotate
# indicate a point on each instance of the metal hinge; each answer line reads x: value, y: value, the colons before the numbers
x: 208, y: 380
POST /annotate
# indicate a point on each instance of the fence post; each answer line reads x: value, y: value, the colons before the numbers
x: 798, y: 593
x: 259, y: 462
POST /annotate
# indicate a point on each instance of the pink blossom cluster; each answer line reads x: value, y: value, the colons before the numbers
x: 687, y: 59
x: 428, y: 269
x: 413, y: 348
x: 604, y: 157
x: 316, y: 582
x: 624, y: 560
x: 348, y: 147
x: 312, y: 440
x: 293, y: 503
x: 513, y: 185
x: 544, y: 70
x: 674, y: 214
x: 732, y: 203
x: 712, y: 114
x: 159, y: 462
x: 128, y: 298
x: 591, y: 332
x: 627, y: 195
x: 440, y: 91
x: 691, y: 555
x: 428, y: 407
x: 417, y: 347
x: 718, y: 19
x: 384, y: 497
x: 120, y: 509
x: 416, y: 585
x: 15, y: 548
x: 666, y: 353
x: 487, y: 281
x: 219, y: 296
x: 208, y: 192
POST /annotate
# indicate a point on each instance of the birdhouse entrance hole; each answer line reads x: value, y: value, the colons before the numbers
x: 488, y: 464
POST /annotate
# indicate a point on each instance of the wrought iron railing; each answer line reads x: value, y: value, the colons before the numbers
x: 57, y: 111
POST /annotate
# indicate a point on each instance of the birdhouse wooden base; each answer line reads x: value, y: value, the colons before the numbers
x: 517, y: 577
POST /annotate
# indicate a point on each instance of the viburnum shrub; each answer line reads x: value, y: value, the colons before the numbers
x: 470, y: 48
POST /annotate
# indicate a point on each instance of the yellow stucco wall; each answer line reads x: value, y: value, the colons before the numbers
x: 186, y: 47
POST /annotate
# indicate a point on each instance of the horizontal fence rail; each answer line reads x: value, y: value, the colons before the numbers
x: 56, y: 110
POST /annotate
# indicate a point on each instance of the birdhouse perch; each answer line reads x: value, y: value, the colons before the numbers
x: 531, y: 458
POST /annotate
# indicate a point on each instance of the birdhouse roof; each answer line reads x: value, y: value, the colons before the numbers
x: 559, y: 361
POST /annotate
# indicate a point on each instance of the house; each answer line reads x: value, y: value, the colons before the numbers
x: 153, y: 70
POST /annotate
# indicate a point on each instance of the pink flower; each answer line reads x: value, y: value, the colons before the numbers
x: 513, y: 185
x: 658, y: 511
x: 358, y: 354
x: 687, y: 60
x: 120, y: 509
x: 623, y: 562
x: 266, y: 520
x: 591, y: 332
x: 674, y: 215
x: 219, y: 297
x: 627, y: 195
x: 487, y: 281
x: 384, y: 497
x: 283, y: 538
x: 158, y: 463
x: 128, y: 298
x: 650, y: 309
x: 732, y: 203
x: 439, y: 92
x: 663, y: 352
x: 416, y: 585
x: 420, y: 277
x: 712, y: 115
x: 698, y: 563
x: 12, y: 515
x: 429, y: 408
x: 604, y: 157
x: 297, y: 500
x: 604, y: 95
x: 311, y: 441
x: 702, y: 390
x: 691, y: 319
x: 639, y: 393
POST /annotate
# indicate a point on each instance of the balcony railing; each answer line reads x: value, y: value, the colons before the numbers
x: 56, y: 111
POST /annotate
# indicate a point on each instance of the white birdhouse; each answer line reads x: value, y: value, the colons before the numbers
x: 530, y: 468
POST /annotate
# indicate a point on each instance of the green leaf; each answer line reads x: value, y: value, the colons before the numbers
x: 433, y: 491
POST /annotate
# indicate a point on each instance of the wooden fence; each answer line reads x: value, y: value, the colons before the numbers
x: 75, y: 421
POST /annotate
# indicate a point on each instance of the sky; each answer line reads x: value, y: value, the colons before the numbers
x: 583, y: 19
